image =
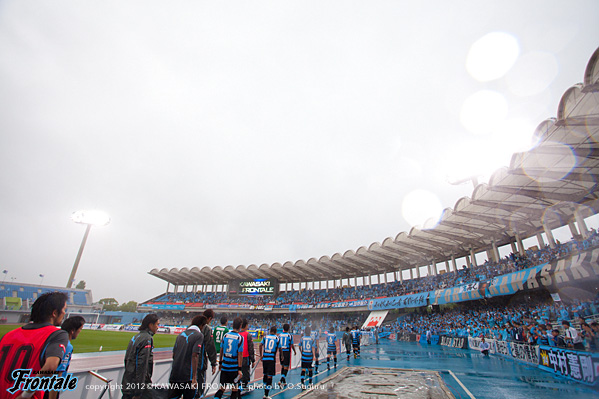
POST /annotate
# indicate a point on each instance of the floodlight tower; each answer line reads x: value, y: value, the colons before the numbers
x: 89, y: 218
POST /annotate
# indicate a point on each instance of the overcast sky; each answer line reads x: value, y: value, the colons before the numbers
x: 250, y: 132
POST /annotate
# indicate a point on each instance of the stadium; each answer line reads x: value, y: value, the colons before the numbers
x: 422, y: 299
x: 498, y: 297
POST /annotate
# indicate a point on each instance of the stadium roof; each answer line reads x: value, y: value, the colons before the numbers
x: 545, y: 185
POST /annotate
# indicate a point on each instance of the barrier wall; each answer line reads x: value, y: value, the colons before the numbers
x: 579, y: 366
x: 574, y: 365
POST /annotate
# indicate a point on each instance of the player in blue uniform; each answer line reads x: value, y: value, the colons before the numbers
x: 308, y: 350
x: 355, y: 337
x: 231, y: 357
x: 268, y: 353
x: 286, y: 342
x: 331, y: 347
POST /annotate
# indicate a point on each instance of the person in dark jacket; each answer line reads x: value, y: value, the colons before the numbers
x: 347, y: 341
x: 139, y: 361
x: 188, y: 349
x: 209, y: 350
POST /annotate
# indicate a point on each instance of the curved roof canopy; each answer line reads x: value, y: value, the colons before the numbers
x: 543, y: 186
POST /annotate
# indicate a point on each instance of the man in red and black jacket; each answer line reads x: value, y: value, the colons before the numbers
x: 39, y: 345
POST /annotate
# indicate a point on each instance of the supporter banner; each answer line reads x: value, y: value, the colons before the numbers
x: 460, y: 342
x: 514, y: 350
x: 168, y: 307
x: 94, y: 326
x: 323, y: 305
x: 375, y: 318
x: 502, y: 348
x: 132, y: 328
x: 398, y: 302
x: 576, y: 267
x: 113, y: 327
x: 455, y: 294
x: 578, y: 366
x: 524, y: 352
x: 468, y: 287
x: 268, y: 308
x: 474, y: 343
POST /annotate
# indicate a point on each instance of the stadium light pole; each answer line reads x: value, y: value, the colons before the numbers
x: 89, y: 218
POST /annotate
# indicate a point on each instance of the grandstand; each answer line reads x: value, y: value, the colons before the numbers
x: 552, y: 186
x: 16, y: 300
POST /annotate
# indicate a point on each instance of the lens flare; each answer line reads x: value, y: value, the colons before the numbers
x: 492, y: 56
x: 551, y: 162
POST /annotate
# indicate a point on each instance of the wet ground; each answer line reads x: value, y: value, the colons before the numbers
x: 467, y: 374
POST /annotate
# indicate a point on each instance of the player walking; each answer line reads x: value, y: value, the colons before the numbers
x: 286, y: 343
x: 308, y: 349
x: 331, y: 347
x: 268, y: 351
x: 231, y: 355
x: 355, y: 335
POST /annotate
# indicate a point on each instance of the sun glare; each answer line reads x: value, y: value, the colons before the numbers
x: 492, y: 56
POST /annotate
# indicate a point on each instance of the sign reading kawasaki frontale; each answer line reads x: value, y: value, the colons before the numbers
x: 266, y: 286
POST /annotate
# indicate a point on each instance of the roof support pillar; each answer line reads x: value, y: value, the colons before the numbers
x: 540, y: 240
x: 513, y: 245
x: 582, y: 226
x: 168, y: 286
x: 495, y: 251
x: 549, y: 235
x: 455, y: 267
x: 447, y: 268
x: 520, y: 244
x: 473, y: 258
x: 400, y: 276
x: 573, y: 229
x: 467, y: 257
x: 176, y: 289
x: 411, y: 274
x: 434, y: 266
x: 417, y: 271
x: 385, y: 277
x: 369, y: 280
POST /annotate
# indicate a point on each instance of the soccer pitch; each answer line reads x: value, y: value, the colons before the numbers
x: 92, y: 340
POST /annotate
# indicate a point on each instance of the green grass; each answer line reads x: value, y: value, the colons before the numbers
x: 91, y: 340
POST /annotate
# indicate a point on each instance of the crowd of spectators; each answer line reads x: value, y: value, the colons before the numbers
x: 465, y: 275
x: 525, y: 318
